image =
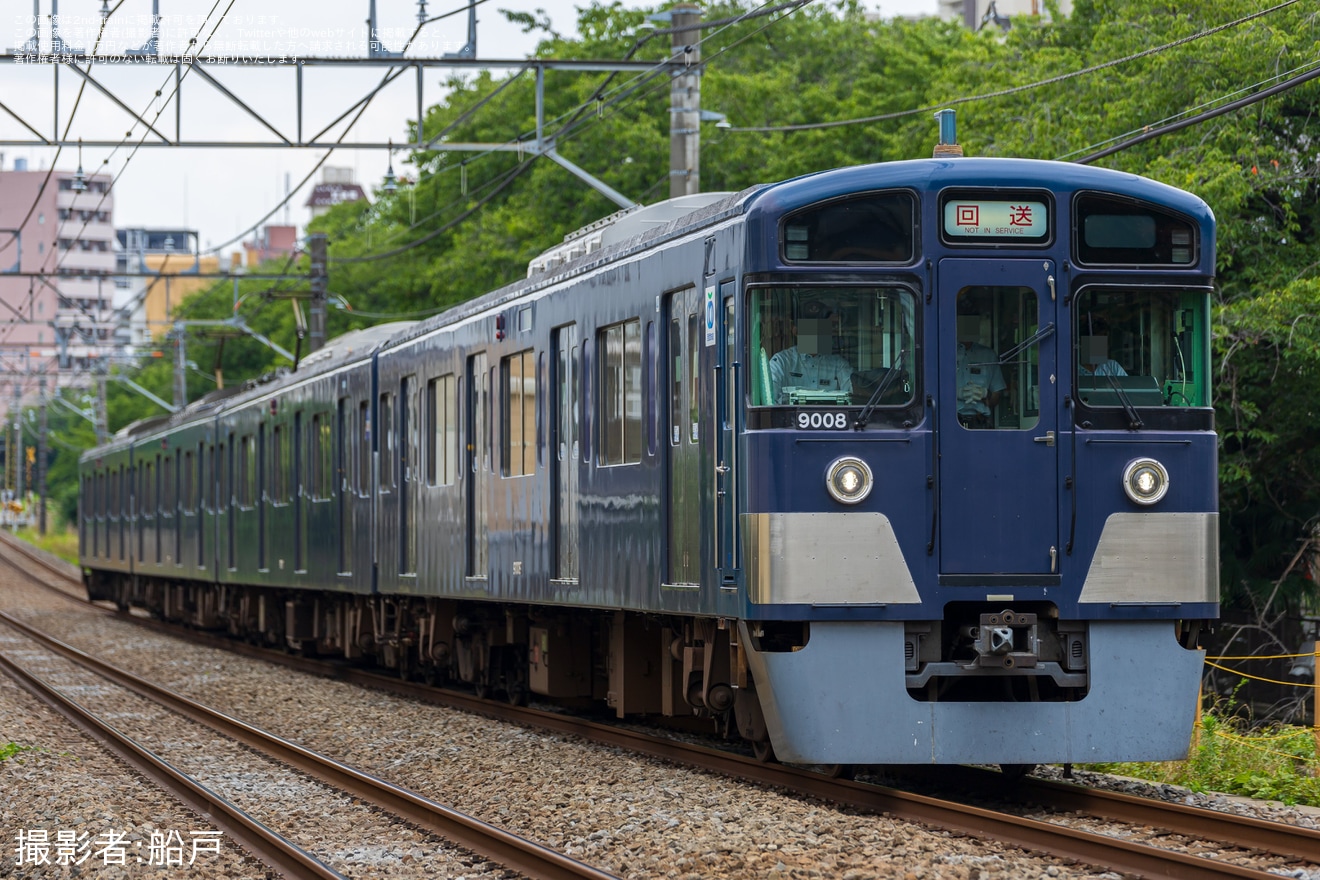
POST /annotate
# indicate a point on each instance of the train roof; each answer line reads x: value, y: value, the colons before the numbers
x: 636, y: 231
x: 947, y: 173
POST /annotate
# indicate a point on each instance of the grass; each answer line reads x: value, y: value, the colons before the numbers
x: 60, y: 542
x: 13, y: 748
x: 1274, y: 763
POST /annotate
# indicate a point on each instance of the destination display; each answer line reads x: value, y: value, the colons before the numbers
x: 983, y: 218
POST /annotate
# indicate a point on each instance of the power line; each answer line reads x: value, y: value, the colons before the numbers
x: 1063, y: 77
x: 1290, y: 83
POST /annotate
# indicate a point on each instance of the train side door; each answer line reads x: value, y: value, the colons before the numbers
x: 686, y: 317
x: 478, y: 462
x: 726, y: 471
x: 568, y: 452
x: 997, y: 418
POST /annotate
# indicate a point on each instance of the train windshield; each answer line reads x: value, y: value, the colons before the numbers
x: 827, y: 346
x: 1142, y: 347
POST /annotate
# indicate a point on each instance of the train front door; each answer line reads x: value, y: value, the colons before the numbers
x: 997, y: 418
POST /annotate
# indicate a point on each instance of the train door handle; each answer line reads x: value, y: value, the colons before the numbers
x: 721, y: 469
x: 1048, y: 439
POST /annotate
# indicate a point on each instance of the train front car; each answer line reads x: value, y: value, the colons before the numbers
x: 979, y: 514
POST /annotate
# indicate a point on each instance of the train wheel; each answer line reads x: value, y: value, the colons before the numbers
x: 764, y: 752
x: 837, y: 771
x: 1014, y: 772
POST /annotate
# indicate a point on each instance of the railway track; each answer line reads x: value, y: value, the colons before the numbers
x: 273, y: 847
x: 1292, y: 846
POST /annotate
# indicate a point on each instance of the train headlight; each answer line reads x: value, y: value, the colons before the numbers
x: 849, y: 480
x: 1145, y: 481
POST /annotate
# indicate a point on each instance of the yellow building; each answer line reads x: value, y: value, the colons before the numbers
x: 179, y: 282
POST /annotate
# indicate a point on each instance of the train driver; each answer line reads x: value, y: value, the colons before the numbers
x: 1093, y: 358
x: 980, y: 380
x: 811, y: 365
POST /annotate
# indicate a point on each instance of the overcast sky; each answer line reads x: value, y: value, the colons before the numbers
x: 222, y: 192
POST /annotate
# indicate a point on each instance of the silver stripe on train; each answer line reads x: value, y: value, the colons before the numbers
x: 1155, y: 558
x: 825, y: 559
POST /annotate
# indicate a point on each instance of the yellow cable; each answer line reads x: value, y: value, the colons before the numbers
x: 1312, y: 685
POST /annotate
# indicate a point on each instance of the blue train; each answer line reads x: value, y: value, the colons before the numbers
x: 906, y: 463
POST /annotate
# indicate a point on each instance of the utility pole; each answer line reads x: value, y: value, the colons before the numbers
x: 41, y: 463
x: 102, y: 429
x: 20, y: 457
x: 317, y: 278
x: 685, y: 104
x: 180, y: 367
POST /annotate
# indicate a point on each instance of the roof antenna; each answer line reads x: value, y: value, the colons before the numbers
x: 948, y: 144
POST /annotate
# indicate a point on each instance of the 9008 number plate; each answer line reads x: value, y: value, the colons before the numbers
x: 829, y: 421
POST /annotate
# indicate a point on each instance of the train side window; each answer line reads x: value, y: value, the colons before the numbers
x: 385, y: 413
x: 207, y: 483
x: 518, y: 414
x: 364, y: 449
x: 442, y: 422
x: 278, y: 476
x: 322, y: 457
x: 649, y: 355
x: 167, y: 475
x: 620, y: 400
x: 187, y: 500
x: 676, y: 385
x: 539, y: 413
x: 247, y: 472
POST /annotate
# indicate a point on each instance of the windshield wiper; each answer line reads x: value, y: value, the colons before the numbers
x: 1134, y: 418
x: 1007, y: 357
x: 881, y: 387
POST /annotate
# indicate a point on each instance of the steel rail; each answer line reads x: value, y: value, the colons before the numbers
x: 281, y: 855
x: 1032, y: 835
x: 516, y: 853
x: 1035, y: 835
x: 1246, y: 832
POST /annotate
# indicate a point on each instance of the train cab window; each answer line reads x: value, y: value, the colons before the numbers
x: 997, y: 358
x: 1142, y: 347
x: 874, y: 228
x: 832, y: 346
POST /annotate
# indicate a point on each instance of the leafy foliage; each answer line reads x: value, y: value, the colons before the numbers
x: 1270, y: 763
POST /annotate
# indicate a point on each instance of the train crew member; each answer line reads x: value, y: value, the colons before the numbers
x: 811, y: 364
x: 980, y: 380
x: 1093, y: 358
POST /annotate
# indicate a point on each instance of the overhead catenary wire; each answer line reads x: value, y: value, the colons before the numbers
x: 564, y: 133
x: 390, y: 75
x: 1012, y: 90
